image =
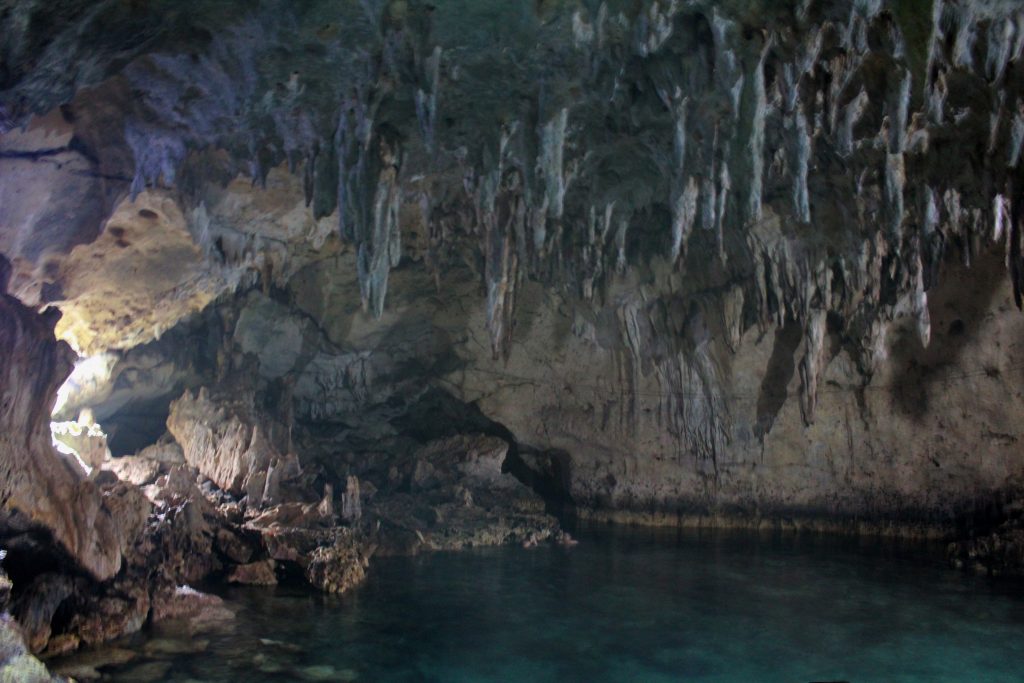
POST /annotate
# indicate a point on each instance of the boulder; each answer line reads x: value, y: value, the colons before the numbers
x: 254, y: 574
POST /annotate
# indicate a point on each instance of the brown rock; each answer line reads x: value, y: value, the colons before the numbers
x: 223, y: 447
x: 184, y: 602
x: 62, y: 645
x: 135, y: 469
x: 120, y: 611
x: 36, y: 605
x: 339, y: 567
x: 38, y: 487
x: 16, y: 664
x: 254, y: 574
x: 233, y: 546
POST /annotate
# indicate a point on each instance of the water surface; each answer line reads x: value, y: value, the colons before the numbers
x: 633, y: 606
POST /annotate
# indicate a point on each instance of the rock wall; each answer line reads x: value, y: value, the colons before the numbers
x: 42, y: 491
x: 694, y: 260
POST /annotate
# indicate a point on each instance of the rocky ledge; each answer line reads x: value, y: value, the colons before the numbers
x: 222, y: 497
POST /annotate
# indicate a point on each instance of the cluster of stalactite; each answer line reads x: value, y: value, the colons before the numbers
x: 817, y: 169
x: 810, y: 165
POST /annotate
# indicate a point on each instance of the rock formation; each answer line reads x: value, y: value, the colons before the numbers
x: 43, y: 492
x: 393, y: 276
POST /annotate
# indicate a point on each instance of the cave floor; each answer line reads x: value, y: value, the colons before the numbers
x: 633, y: 605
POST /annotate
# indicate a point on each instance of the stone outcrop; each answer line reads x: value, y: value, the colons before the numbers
x: 40, y: 490
x: 453, y: 493
x: 241, y: 452
x: 16, y: 662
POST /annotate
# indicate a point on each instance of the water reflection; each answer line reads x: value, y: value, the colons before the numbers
x: 629, y: 606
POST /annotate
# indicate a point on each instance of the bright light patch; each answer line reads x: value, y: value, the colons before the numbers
x: 82, y: 439
x: 88, y: 377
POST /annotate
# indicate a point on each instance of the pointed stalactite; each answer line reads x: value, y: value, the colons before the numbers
x: 551, y: 166
x: 801, y: 166
x: 920, y: 303
x: 309, y: 175
x: 724, y: 185
x: 502, y: 224
x: 684, y: 213
x: 381, y: 249
x: 811, y: 363
x: 931, y: 237
x: 426, y: 99
x: 621, y: 264
x: 598, y: 229
x: 755, y: 144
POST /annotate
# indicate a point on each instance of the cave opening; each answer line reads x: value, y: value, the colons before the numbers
x: 405, y: 340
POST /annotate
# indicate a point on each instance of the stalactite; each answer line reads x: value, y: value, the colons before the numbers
x: 620, y: 242
x: 755, y: 145
x: 501, y: 267
x: 552, y: 162
x: 1016, y: 136
x: 598, y: 229
x: 381, y: 249
x: 684, y: 213
x: 801, y: 167
x: 811, y: 363
x: 426, y: 100
x: 851, y: 115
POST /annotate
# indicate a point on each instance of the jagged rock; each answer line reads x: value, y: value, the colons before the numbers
x: 136, y: 469
x: 163, y: 453
x: 38, y: 487
x: 118, y: 610
x: 339, y: 567
x: 187, y: 603
x: 37, y: 604
x: 452, y: 494
x: 130, y: 509
x: 237, y: 449
x: 233, y: 546
x: 16, y: 664
x: 254, y: 574
x: 998, y: 553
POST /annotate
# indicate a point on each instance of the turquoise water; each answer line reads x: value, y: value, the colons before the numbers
x: 628, y: 607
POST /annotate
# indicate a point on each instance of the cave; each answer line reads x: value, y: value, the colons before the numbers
x: 479, y: 340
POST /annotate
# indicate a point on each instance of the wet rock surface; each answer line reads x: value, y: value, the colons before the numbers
x: 398, y: 276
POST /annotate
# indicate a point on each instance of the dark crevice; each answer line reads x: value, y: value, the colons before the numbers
x: 781, y: 366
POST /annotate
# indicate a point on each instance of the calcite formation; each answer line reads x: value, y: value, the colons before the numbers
x: 451, y: 266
